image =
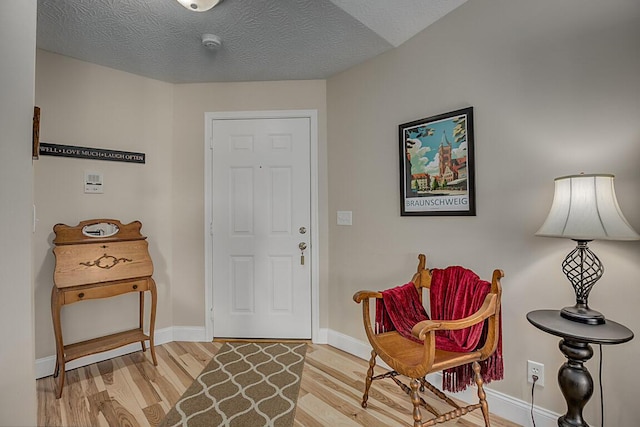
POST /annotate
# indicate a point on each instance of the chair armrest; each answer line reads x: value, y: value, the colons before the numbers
x: 421, y: 329
x: 488, y: 309
x: 362, y: 295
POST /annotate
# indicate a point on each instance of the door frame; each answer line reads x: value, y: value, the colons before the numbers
x: 209, y: 119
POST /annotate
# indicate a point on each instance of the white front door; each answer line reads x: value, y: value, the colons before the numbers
x: 261, y: 218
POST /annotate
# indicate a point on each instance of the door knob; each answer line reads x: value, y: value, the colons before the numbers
x: 302, y: 246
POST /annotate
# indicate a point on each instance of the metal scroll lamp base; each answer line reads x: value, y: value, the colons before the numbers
x: 583, y: 269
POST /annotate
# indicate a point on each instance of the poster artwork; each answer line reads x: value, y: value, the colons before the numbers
x: 437, y: 165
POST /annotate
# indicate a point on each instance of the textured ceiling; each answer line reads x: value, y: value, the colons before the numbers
x: 261, y: 39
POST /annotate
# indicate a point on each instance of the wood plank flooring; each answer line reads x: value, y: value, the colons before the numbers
x: 128, y: 391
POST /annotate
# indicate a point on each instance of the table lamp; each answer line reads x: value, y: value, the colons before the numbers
x: 585, y: 208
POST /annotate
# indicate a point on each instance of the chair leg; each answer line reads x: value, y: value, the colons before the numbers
x: 367, y: 384
x: 484, y: 406
x: 415, y: 399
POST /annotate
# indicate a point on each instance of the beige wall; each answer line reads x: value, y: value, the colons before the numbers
x: 88, y: 105
x: 91, y: 106
x: 17, y: 49
x: 191, y: 102
x: 555, y: 91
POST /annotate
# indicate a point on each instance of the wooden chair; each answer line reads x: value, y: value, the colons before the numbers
x: 415, y: 360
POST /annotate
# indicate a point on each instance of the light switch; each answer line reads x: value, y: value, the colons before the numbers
x: 345, y: 218
x: 93, y: 182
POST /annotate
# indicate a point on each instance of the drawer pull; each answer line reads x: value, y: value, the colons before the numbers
x: 81, y: 295
x: 135, y: 286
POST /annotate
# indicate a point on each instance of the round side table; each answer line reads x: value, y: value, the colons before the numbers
x: 574, y: 379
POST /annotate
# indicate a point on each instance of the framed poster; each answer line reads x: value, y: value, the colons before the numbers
x: 437, y: 165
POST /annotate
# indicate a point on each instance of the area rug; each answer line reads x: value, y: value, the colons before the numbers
x: 245, y: 384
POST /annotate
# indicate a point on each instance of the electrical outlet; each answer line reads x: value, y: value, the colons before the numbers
x: 537, y: 369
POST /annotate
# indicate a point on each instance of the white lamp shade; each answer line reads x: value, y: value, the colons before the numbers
x: 585, y: 208
x: 199, y: 5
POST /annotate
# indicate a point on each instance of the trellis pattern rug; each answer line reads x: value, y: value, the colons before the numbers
x: 245, y: 384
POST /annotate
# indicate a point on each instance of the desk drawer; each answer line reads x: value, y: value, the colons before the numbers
x: 104, y: 290
x: 83, y: 264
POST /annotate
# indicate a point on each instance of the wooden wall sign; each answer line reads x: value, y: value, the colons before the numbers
x: 47, y: 149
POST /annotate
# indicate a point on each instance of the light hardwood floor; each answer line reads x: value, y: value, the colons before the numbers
x: 130, y: 391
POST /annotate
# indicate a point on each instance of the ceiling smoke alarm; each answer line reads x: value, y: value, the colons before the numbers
x: 211, y: 41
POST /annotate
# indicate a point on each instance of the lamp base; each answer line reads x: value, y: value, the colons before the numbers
x: 582, y: 314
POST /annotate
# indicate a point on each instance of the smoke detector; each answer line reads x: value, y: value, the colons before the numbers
x: 211, y: 41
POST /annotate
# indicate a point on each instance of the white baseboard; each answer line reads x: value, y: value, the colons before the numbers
x: 189, y: 333
x: 322, y: 336
x: 46, y: 365
x: 507, y: 407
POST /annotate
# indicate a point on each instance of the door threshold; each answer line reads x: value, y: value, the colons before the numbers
x: 263, y: 340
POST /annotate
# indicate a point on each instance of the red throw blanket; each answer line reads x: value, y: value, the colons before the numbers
x: 455, y: 293
x: 400, y: 309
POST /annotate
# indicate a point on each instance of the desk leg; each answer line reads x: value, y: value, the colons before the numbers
x: 141, y: 323
x: 152, y: 320
x: 56, y: 305
x: 575, y: 382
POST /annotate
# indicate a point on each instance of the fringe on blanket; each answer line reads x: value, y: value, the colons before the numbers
x: 459, y: 378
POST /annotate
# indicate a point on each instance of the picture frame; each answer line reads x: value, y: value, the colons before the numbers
x: 437, y: 167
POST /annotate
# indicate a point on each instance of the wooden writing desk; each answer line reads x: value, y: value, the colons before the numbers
x: 100, y: 258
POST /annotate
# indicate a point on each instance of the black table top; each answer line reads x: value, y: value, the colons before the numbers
x: 551, y: 322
